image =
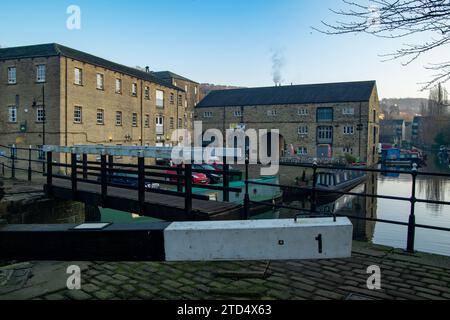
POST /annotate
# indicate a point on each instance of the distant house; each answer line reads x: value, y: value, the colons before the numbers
x: 392, y: 131
x: 425, y: 129
x: 326, y: 120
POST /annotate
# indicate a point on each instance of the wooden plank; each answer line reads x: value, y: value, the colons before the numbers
x: 157, y: 206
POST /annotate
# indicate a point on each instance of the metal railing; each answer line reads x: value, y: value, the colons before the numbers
x: 313, y: 190
x: 181, y: 177
x: 13, y: 157
x: 109, y: 174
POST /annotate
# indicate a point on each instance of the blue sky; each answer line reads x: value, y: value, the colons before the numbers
x: 223, y: 42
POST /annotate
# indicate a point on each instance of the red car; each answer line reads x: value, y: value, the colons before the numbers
x: 197, y: 178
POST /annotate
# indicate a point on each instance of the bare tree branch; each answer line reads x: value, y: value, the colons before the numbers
x: 399, y: 19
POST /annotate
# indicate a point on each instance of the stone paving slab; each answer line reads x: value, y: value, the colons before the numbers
x: 404, y: 276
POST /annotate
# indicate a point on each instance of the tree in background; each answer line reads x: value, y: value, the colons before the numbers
x: 400, y: 19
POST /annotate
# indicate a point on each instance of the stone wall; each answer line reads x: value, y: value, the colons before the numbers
x: 25, y: 203
x: 289, y: 118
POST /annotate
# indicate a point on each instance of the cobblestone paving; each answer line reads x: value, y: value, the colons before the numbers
x: 403, y: 277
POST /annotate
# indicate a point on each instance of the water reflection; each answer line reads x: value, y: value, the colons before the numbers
x: 434, y: 189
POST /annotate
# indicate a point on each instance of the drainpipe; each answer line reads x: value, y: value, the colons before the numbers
x: 142, y: 117
x: 66, y: 139
x: 359, y: 131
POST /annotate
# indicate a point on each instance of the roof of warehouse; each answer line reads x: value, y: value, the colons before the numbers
x: 54, y: 49
x: 299, y: 94
x: 170, y: 75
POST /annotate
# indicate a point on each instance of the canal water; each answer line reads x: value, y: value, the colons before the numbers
x: 430, y: 188
x: 433, y: 188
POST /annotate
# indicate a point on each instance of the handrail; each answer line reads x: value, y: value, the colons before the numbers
x: 411, y: 224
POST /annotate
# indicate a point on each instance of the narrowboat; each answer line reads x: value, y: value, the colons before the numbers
x: 327, y: 181
x: 401, y: 157
x: 337, y: 180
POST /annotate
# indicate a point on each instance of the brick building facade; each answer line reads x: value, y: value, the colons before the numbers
x: 88, y: 100
x: 316, y: 121
x: 191, y: 99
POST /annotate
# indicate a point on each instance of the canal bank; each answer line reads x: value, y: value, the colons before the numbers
x: 417, y: 276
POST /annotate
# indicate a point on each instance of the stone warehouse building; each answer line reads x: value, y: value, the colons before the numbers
x: 88, y: 100
x: 191, y: 98
x: 315, y: 121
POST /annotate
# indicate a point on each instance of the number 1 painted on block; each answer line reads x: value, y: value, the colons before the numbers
x: 319, y: 242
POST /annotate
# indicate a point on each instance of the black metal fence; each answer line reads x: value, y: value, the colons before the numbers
x: 313, y: 190
x: 29, y: 160
x: 139, y: 177
x: 81, y: 170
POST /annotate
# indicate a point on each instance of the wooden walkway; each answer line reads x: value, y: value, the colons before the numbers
x: 159, y: 206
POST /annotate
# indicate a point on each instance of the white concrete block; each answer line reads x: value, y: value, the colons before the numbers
x: 282, y: 239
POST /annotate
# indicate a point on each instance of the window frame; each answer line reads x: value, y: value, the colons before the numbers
x: 303, y: 132
x: 325, y: 133
x: 41, y: 70
x: 347, y: 131
x: 102, y: 112
x: 118, y: 89
x: 119, y: 119
x: 102, y: 77
x: 40, y: 114
x: 134, y: 119
x: 80, y: 76
x: 346, y: 111
x: 327, y: 110
x: 12, y: 80
x: 347, y: 150
x: 272, y: 113
x: 134, y: 89
x: 75, y: 117
x: 159, y: 102
x: 303, y: 151
x: 12, y: 110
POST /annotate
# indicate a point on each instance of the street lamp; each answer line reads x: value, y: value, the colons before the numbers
x: 44, y: 120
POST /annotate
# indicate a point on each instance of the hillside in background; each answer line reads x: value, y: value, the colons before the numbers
x: 407, y: 105
x: 206, y: 88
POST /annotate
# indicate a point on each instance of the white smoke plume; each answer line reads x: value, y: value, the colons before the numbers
x: 277, y: 66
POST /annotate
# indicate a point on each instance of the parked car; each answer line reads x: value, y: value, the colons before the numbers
x: 197, y: 178
x: 214, y: 178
